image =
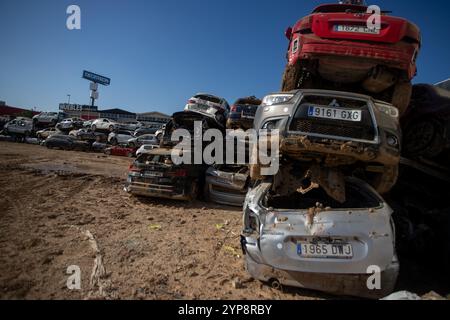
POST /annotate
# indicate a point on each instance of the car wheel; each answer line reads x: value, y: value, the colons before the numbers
x: 93, y: 127
x: 384, y: 181
x: 193, y: 191
x: 111, y: 128
x: 402, y: 96
x: 291, y: 77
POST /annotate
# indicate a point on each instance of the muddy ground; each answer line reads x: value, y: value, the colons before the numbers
x: 52, y: 200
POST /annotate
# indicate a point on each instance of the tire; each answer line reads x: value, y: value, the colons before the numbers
x: 385, y: 181
x: 193, y: 194
x: 111, y: 128
x: 401, y: 97
x: 93, y: 127
x: 424, y: 138
x: 291, y: 77
x: 114, y: 141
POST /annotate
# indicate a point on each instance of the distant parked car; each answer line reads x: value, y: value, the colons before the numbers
x: 120, y: 137
x: 48, y: 118
x: 45, y: 133
x: 144, y: 139
x: 66, y: 142
x: 104, y: 124
x: 131, y: 126
x: 99, y: 147
x: 19, y: 127
x: 120, y: 151
x: 87, y: 124
x: 242, y: 113
x: 227, y: 184
x: 83, y: 134
x: 140, y: 131
x: 145, y: 148
x: 70, y: 124
x: 209, y: 105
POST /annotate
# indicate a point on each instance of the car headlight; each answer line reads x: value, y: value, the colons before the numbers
x: 276, y: 98
x: 388, y: 109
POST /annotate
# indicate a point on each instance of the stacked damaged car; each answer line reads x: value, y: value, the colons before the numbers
x: 320, y: 221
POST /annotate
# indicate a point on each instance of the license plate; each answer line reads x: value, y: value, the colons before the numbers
x: 336, y: 114
x: 324, y: 250
x: 356, y: 29
x: 150, y: 174
x: 247, y: 116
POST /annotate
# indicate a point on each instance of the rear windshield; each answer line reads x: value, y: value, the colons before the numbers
x: 146, y: 158
x: 209, y: 98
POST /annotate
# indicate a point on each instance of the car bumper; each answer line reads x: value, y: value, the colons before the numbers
x: 398, y: 55
x: 156, y: 191
x: 339, y: 284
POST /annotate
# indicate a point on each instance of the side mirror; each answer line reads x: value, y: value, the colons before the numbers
x: 288, y: 33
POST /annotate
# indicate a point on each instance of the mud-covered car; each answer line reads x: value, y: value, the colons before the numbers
x: 153, y: 174
x: 336, y: 129
x: 66, y: 142
x: 69, y: 124
x: 19, y: 127
x: 45, y: 133
x: 48, y: 118
x: 310, y: 240
x: 209, y: 105
x: 227, y: 184
x: 334, y: 47
x: 242, y: 113
x: 186, y: 120
x: 84, y: 134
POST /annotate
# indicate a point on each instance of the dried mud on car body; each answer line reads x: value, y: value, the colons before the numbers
x: 151, y: 249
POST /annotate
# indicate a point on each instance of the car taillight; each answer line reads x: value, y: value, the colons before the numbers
x: 179, y: 173
x: 133, y: 168
x: 191, y: 101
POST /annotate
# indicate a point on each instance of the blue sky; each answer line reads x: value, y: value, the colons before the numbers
x: 158, y: 53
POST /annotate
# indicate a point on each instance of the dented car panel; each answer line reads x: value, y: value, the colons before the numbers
x: 273, y: 240
x: 227, y: 184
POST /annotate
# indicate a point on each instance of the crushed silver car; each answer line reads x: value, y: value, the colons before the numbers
x: 227, y: 184
x: 308, y: 239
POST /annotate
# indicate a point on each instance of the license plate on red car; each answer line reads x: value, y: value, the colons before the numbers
x: 356, y: 29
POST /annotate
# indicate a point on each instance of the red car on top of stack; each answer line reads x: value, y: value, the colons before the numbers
x: 335, y: 48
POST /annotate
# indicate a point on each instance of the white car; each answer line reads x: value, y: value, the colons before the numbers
x: 120, y: 137
x: 70, y: 124
x: 45, y: 133
x: 145, y: 148
x: 103, y: 124
x: 210, y: 105
x: 144, y: 139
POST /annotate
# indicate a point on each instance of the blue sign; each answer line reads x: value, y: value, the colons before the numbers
x: 96, y: 78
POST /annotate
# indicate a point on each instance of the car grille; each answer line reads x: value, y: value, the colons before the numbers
x: 348, y: 130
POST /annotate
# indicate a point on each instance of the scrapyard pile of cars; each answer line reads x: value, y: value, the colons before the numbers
x: 350, y: 135
x: 326, y: 219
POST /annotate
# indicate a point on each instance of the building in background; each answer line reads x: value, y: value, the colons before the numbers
x: 444, y: 84
x: 13, y: 112
x: 153, y: 119
x: 85, y: 112
x: 118, y: 115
